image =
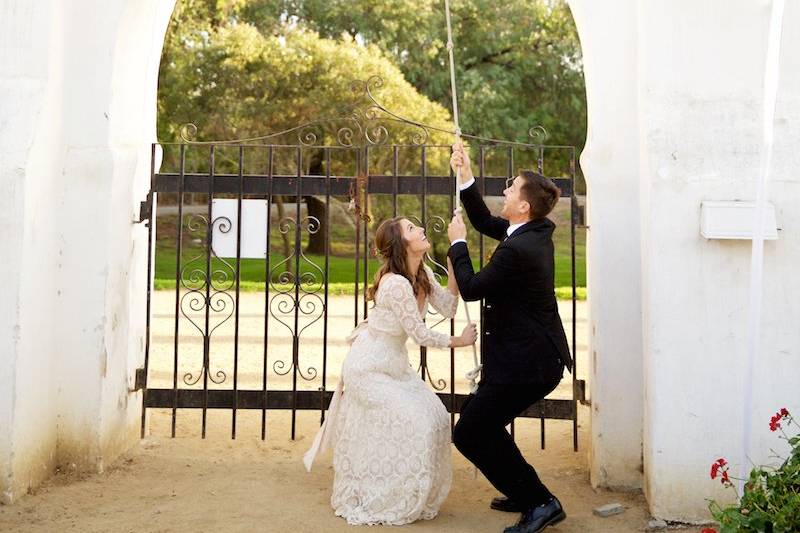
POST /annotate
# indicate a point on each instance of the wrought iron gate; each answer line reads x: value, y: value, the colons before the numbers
x: 372, y: 158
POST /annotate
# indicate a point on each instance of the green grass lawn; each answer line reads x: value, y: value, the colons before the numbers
x: 341, y: 270
x: 341, y: 267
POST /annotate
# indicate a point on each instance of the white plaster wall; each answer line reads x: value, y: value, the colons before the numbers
x: 30, y: 157
x: 137, y: 56
x: 74, y: 163
x: 610, y: 162
x: 674, y: 90
x: 700, y: 88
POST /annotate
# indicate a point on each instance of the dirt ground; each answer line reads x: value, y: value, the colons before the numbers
x: 189, y: 484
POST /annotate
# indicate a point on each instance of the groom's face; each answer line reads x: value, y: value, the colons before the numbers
x: 514, y: 206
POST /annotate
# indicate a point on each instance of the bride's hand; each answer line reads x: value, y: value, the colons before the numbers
x: 469, y: 335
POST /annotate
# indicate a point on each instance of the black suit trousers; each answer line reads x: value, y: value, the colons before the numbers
x: 481, y: 436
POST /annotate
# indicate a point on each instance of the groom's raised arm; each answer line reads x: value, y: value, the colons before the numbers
x: 482, y: 220
x: 479, y: 215
x: 496, y: 276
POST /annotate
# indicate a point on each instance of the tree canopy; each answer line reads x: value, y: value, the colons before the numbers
x: 273, y: 63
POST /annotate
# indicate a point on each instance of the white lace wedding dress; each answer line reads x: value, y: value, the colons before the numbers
x: 390, y: 433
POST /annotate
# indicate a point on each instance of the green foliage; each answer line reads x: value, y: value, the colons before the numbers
x: 518, y: 62
x: 771, y: 499
x: 236, y: 79
x: 240, y: 68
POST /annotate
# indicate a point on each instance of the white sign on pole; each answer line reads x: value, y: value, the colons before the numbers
x: 254, y: 228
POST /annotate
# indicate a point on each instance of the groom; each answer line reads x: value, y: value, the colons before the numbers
x: 524, y: 346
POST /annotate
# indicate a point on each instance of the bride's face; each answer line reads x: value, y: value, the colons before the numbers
x: 416, y: 241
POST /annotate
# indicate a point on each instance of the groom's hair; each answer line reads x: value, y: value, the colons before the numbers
x: 540, y: 193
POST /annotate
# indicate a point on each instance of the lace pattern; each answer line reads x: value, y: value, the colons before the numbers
x: 391, y: 436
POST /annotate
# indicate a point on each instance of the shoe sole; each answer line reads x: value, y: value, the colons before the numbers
x: 504, y: 509
x: 555, y: 520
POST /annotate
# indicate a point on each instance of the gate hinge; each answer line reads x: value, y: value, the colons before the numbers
x: 580, y: 392
x: 145, y: 210
x: 141, y: 379
x: 580, y: 216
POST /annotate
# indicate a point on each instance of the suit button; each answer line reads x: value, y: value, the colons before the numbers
x: 488, y: 306
x: 488, y: 333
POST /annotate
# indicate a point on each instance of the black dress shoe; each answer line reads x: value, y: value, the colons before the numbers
x: 537, y: 518
x: 507, y: 505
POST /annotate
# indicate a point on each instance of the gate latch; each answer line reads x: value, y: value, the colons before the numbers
x: 145, y: 210
x: 580, y: 392
x: 141, y: 379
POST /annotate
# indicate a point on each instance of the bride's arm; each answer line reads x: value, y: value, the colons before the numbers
x: 452, y: 284
x: 445, y: 301
x: 400, y: 298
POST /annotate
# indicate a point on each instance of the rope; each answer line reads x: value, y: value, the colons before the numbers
x: 473, y: 374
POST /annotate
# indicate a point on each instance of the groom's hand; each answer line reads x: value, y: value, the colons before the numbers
x: 456, y: 230
x: 460, y: 160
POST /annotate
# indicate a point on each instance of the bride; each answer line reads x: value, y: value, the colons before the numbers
x: 389, y: 432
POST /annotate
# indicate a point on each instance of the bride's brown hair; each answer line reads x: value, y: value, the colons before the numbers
x: 391, y: 247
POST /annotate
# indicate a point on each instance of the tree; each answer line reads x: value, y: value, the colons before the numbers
x: 518, y: 62
x: 235, y: 81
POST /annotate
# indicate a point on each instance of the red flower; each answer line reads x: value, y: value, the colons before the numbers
x: 774, y: 422
x: 720, y: 468
x: 719, y: 463
x: 708, y: 530
x: 784, y: 412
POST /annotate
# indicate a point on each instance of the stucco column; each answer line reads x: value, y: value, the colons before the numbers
x: 79, y: 87
x: 610, y: 162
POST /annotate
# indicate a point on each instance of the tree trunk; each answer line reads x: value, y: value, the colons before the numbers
x: 317, y: 209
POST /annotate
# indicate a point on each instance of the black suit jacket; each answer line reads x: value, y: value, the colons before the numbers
x: 523, y: 337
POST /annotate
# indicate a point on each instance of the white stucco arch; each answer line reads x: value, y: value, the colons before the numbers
x: 78, y: 87
x: 674, y: 100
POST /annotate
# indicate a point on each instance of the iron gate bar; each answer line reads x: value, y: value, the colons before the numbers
x: 573, y: 200
x: 509, y: 175
x: 238, y: 279
x: 366, y: 229
x: 148, y: 303
x: 340, y: 185
x: 452, y: 329
x: 297, y: 281
x: 327, y: 277
x: 423, y: 351
x: 270, y: 167
x: 181, y: 183
x: 356, y: 197
x: 540, y: 168
x: 209, y: 281
x: 309, y: 400
x: 395, y: 179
